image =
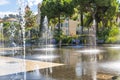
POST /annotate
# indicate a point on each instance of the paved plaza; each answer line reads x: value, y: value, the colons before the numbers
x: 9, y: 65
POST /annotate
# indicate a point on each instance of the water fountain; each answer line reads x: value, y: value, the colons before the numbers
x: 46, y: 37
x: 22, y: 22
x: 22, y: 5
x: 44, y: 46
x: 1, y: 39
x: 92, y: 46
x: 13, y: 45
x: 12, y: 30
x: 91, y: 51
x: 1, y: 35
x: 45, y: 40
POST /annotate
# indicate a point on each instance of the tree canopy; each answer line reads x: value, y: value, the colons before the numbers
x: 104, y: 12
x: 55, y: 8
x: 30, y: 19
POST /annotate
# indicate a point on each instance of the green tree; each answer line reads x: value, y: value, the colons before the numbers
x: 113, y: 35
x: 106, y: 13
x: 30, y: 22
x: 30, y: 19
x: 6, y: 26
x: 82, y: 6
x: 101, y: 11
x: 6, y: 30
x: 57, y: 9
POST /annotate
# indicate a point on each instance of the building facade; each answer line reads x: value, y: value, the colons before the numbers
x: 69, y: 27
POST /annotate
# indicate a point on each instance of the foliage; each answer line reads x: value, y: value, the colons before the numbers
x: 58, y: 35
x: 6, y: 26
x: 1, y: 38
x: 103, y: 34
x: 104, y: 12
x: 30, y: 19
x: 55, y: 8
x: 88, y: 20
x: 30, y: 24
x: 100, y: 10
x: 113, y: 36
x: 66, y: 39
x: 75, y: 15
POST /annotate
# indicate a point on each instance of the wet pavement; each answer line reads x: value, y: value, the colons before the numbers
x: 79, y: 64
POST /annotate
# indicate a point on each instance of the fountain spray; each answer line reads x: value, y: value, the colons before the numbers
x: 22, y: 26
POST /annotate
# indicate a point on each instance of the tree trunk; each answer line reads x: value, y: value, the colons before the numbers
x: 94, y: 29
x: 59, y: 24
x: 59, y: 28
x: 31, y: 41
x: 41, y: 26
x: 81, y: 19
x: 97, y: 30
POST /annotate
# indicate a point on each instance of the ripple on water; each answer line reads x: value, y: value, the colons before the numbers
x: 111, y: 66
x: 44, y: 49
x: 90, y: 51
x: 48, y: 57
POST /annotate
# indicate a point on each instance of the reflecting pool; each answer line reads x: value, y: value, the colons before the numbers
x: 74, y: 64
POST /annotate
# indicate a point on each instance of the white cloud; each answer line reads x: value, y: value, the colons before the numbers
x: 33, y: 2
x: 2, y: 14
x: 3, y: 2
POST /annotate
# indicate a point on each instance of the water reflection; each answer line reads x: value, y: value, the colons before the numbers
x: 49, y: 57
x: 44, y: 49
x: 78, y: 66
x: 111, y: 67
x: 90, y: 51
x: 89, y: 67
x: 114, y: 46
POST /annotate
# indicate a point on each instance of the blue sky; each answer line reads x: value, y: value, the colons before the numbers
x: 11, y: 6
